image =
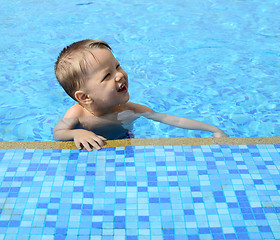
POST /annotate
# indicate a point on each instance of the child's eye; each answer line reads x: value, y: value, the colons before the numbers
x: 118, y: 66
x: 106, y: 76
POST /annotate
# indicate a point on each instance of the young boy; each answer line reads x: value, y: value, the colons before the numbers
x: 92, y: 76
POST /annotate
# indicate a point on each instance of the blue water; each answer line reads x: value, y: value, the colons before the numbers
x: 214, y: 61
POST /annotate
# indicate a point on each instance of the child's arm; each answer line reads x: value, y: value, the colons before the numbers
x: 64, y: 130
x: 184, y: 123
x: 176, y: 121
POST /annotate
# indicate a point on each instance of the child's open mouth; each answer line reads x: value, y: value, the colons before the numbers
x: 123, y: 88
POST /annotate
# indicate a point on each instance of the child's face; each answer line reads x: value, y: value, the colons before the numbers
x: 108, y: 82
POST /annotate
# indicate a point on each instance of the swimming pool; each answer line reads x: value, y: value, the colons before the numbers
x: 214, y: 61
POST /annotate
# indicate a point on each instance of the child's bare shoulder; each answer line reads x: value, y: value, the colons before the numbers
x: 75, y: 111
x: 138, y: 108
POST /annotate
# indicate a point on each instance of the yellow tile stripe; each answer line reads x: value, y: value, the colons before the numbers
x: 146, y: 142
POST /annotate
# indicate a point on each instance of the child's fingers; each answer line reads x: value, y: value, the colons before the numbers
x: 96, y: 144
x: 91, y: 142
x: 102, y: 138
x: 86, y: 145
x: 78, y: 144
x: 99, y: 140
x: 220, y: 135
x: 83, y: 143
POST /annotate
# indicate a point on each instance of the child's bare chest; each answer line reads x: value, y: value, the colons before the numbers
x: 111, y: 126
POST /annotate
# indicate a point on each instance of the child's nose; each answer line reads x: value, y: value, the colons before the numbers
x: 119, y: 76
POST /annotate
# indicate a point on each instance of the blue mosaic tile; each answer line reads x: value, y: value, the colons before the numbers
x: 142, y: 192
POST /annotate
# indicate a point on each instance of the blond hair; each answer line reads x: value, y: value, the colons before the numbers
x: 71, y: 67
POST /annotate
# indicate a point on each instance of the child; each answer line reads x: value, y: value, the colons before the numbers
x: 92, y: 76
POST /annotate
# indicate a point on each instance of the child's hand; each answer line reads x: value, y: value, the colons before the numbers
x: 219, y: 134
x: 88, y: 140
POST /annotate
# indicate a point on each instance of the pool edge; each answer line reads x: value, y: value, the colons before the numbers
x: 146, y: 142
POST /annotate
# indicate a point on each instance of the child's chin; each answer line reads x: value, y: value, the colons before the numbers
x: 126, y: 99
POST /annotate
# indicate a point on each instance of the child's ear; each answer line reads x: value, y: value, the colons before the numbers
x: 82, y: 97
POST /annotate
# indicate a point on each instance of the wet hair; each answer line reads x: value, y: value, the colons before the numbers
x: 72, y: 65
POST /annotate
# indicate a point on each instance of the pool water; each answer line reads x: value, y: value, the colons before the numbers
x: 214, y: 61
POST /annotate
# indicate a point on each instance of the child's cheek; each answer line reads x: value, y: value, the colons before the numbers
x: 110, y: 93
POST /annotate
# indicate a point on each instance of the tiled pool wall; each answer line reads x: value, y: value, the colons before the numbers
x: 160, y: 192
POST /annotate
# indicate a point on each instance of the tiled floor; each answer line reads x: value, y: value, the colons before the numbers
x: 141, y: 193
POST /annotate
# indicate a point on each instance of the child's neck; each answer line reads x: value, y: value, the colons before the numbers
x: 97, y: 112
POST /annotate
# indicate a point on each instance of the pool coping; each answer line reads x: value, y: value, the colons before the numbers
x: 146, y: 142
